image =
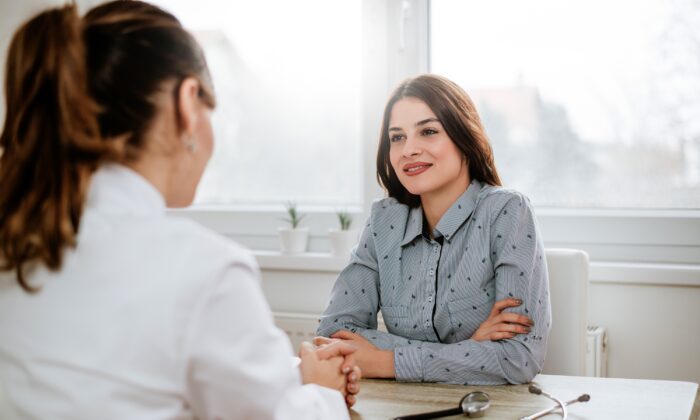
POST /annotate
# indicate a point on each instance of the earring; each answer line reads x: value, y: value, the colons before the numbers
x: 190, y: 143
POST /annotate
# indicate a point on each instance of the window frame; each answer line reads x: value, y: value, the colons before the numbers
x: 395, y: 46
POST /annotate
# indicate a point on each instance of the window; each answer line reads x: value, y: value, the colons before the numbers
x: 287, y: 77
x: 574, y: 126
x: 588, y: 104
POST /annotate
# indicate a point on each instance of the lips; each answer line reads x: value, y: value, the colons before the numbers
x: 416, y: 168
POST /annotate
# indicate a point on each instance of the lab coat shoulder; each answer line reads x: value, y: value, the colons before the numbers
x: 237, y: 359
x: 206, y: 249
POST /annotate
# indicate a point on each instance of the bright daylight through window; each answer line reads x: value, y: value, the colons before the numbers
x: 287, y: 78
x: 589, y: 103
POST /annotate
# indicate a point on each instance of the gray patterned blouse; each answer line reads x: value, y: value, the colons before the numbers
x: 434, y: 293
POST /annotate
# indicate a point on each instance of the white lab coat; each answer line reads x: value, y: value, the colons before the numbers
x: 150, y: 317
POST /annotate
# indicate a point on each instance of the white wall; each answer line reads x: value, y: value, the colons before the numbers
x: 653, y: 330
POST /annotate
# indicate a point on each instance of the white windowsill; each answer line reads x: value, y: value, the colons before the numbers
x: 600, y: 272
x: 308, y: 261
x: 277, y: 210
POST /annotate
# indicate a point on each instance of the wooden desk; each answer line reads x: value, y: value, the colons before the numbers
x: 610, y: 398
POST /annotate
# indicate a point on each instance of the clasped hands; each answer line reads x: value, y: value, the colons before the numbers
x: 331, y: 365
x: 378, y: 363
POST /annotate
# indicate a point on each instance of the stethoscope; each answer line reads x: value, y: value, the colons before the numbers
x: 475, y: 404
x: 534, y: 389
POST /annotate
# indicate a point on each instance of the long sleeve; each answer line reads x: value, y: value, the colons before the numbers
x: 433, y: 296
x: 354, y: 299
x: 520, y: 271
x: 238, y: 364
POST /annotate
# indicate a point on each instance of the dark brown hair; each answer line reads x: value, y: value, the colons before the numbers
x: 79, y: 92
x: 457, y: 114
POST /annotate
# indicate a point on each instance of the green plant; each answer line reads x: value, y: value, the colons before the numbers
x: 294, y: 216
x: 344, y: 219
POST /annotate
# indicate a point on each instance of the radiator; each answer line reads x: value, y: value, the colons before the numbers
x: 302, y: 327
x: 596, y: 352
x: 299, y: 327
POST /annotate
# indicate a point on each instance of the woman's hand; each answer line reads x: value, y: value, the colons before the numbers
x: 323, y: 369
x: 373, y: 362
x: 500, y: 325
x: 339, y: 358
x: 330, y: 347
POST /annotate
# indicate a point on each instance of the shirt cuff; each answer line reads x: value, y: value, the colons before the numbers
x: 408, y: 364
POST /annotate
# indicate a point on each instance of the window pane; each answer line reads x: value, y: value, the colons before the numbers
x: 591, y: 103
x: 287, y: 79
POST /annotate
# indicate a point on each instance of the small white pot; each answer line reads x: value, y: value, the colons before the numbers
x: 342, y: 241
x: 293, y: 241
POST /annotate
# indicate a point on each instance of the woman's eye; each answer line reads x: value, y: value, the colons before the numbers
x: 429, y: 132
x: 396, y: 137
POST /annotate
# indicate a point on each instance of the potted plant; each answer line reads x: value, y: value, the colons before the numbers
x: 344, y: 239
x: 293, y: 239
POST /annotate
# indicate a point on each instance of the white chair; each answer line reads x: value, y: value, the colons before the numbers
x: 7, y: 412
x: 568, y: 286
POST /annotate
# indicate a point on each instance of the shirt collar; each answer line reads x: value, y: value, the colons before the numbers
x: 453, y: 218
x: 414, y: 226
x: 116, y: 188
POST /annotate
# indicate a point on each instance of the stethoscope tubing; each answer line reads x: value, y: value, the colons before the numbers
x: 432, y: 414
x: 550, y: 410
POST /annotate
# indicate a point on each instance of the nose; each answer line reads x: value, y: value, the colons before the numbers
x: 411, y: 147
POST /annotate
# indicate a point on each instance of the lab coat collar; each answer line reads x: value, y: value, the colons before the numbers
x: 116, y: 188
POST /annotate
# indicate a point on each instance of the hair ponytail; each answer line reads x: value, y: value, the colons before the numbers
x: 79, y: 91
x: 50, y: 141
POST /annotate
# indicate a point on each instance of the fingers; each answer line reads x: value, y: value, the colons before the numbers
x: 500, y: 305
x: 512, y: 328
x: 333, y: 365
x: 353, y: 388
x: 345, y: 335
x: 495, y: 336
x: 354, y: 377
x: 337, y: 348
x: 323, y: 341
x: 348, y: 364
x: 514, y: 318
x: 307, y: 350
x: 326, y: 371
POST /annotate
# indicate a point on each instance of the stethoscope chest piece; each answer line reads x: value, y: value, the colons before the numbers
x: 475, y: 404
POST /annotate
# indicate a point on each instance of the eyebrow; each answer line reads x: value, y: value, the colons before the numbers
x: 426, y: 121
x: 418, y: 124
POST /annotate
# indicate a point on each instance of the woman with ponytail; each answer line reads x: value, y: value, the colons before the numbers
x: 109, y: 308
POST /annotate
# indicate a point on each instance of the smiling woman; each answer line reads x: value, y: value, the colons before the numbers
x: 433, y: 100
x: 429, y: 142
x: 452, y: 260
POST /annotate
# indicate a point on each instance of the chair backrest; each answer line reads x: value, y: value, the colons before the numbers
x: 568, y: 287
x: 7, y: 412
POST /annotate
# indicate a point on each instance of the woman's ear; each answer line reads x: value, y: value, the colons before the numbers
x: 187, y: 102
